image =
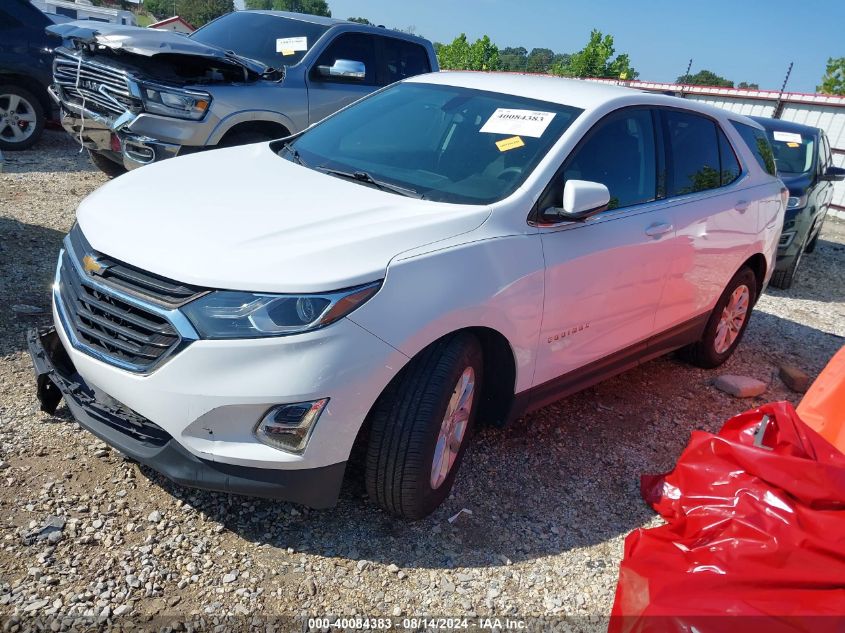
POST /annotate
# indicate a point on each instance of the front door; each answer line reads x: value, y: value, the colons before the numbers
x: 604, y: 276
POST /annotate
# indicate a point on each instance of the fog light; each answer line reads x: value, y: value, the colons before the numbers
x: 288, y: 426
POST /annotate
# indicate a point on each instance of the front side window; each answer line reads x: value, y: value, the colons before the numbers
x: 353, y: 47
x: 759, y: 145
x: 443, y: 143
x: 619, y: 153
x: 692, y: 146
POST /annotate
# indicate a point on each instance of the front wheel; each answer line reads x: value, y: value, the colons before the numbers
x: 727, y: 322
x: 420, y: 427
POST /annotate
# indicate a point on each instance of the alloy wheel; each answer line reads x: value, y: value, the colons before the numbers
x: 453, y: 428
x: 732, y: 319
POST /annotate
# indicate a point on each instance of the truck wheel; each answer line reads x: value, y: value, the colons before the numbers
x: 21, y: 118
x: 421, y: 425
x: 106, y: 165
x: 727, y: 322
x: 245, y: 138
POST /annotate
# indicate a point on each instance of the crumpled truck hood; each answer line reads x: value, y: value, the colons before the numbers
x: 245, y: 219
x: 147, y: 42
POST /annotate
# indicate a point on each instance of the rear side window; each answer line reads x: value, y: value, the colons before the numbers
x: 758, y: 142
x: 619, y: 153
x: 693, y: 153
x: 401, y: 59
x: 730, y: 169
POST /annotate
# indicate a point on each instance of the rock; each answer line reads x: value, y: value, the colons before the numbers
x: 154, y: 516
x: 27, y: 310
x: 397, y: 611
x: 740, y: 386
x: 231, y: 577
x: 794, y: 378
x: 35, y: 606
x: 122, y: 609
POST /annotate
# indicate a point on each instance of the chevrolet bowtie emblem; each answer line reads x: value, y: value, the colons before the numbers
x: 91, y: 265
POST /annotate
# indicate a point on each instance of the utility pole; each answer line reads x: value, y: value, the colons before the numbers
x: 779, y: 105
x: 686, y: 75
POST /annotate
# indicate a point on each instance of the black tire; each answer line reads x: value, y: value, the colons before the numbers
x: 406, y: 422
x: 245, y: 138
x: 783, y: 278
x: 704, y: 353
x: 106, y: 165
x: 27, y: 105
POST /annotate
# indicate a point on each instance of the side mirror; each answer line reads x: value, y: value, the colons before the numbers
x: 581, y: 199
x: 834, y: 174
x: 344, y: 69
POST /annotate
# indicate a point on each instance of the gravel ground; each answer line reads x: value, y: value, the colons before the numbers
x: 552, y: 497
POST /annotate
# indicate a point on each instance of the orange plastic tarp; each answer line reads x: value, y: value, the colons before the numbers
x: 823, y: 406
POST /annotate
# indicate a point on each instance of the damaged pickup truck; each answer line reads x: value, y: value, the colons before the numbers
x: 133, y: 96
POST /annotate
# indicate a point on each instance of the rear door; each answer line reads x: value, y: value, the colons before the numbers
x: 714, y: 213
x: 327, y: 95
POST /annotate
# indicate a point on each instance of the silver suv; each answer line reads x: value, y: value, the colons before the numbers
x: 134, y: 96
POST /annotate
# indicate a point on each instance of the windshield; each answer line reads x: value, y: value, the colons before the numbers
x: 270, y: 39
x: 793, y: 152
x: 442, y: 143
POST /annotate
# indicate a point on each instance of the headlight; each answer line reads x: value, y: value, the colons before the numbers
x: 796, y: 202
x: 227, y: 314
x: 183, y: 104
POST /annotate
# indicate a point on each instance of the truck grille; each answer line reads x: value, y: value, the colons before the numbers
x: 117, y: 330
x: 103, y: 89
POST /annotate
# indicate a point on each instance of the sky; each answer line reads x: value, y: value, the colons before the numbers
x: 742, y: 40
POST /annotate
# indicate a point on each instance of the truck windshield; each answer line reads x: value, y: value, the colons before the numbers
x: 443, y: 143
x: 794, y: 152
x: 273, y: 40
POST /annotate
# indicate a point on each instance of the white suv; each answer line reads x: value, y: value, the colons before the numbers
x: 452, y: 250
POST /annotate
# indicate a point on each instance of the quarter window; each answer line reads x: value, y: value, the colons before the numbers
x: 356, y: 47
x: 619, y: 153
x: 758, y: 142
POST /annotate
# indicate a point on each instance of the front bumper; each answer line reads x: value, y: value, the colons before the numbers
x: 149, y: 444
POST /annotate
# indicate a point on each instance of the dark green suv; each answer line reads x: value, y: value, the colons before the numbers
x: 803, y: 159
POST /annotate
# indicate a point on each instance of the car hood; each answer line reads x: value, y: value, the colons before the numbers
x: 148, y: 42
x: 245, y: 219
x: 796, y: 183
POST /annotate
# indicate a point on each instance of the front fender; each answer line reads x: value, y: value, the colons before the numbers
x: 244, y: 116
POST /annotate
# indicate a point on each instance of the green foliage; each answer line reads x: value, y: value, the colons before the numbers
x: 748, y: 86
x: 314, y: 7
x: 197, y: 12
x: 596, y: 60
x: 482, y: 54
x: 833, y: 81
x: 705, y: 78
x: 361, y: 21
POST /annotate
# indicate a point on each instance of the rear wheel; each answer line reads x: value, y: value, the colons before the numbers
x: 420, y: 427
x: 106, y: 165
x: 21, y: 118
x: 727, y: 322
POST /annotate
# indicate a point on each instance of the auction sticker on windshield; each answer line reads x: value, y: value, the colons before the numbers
x: 518, y: 122
x: 291, y: 45
x: 787, y: 137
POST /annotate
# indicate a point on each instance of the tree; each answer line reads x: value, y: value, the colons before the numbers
x: 482, y: 54
x: 540, y: 60
x: 314, y: 7
x: 361, y: 21
x: 705, y: 78
x: 596, y: 60
x: 748, y: 86
x: 515, y: 59
x: 833, y: 81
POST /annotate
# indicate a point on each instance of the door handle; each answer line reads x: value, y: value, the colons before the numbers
x: 656, y: 230
x: 741, y: 206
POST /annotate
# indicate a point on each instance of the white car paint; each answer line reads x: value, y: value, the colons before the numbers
x: 561, y: 296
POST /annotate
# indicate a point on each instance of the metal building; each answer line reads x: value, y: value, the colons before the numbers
x: 823, y: 111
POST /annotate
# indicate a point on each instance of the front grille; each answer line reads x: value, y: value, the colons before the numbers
x: 126, y: 278
x: 114, y: 328
x: 103, y: 89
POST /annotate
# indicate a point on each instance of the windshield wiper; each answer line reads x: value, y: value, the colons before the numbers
x: 362, y: 176
x: 294, y: 154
